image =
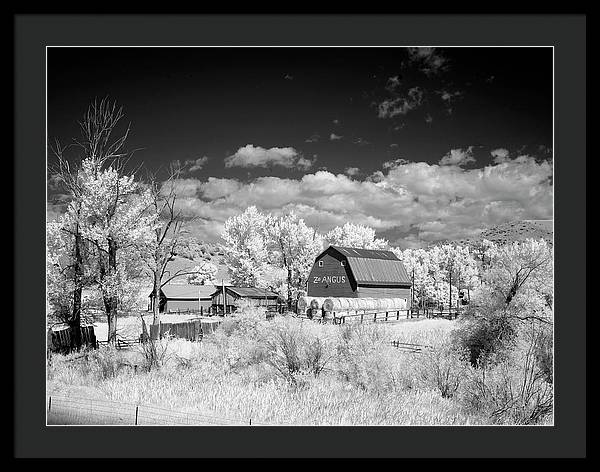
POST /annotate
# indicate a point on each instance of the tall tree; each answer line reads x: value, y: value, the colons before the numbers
x: 358, y: 236
x: 246, y: 248
x: 296, y: 246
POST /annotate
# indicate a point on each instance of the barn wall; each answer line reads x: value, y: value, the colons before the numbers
x: 331, y: 280
x: 384, y: 292
x: 181, y: 305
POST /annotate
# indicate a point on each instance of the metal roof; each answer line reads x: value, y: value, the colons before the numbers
x: 374, y: 266
x: 248, y: 292
x: 378, y: 271
x: 187, y: 291
x: 366, y: 253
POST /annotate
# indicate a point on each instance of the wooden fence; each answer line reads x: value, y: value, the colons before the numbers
x: 192, y: 330
x: 60, y: 340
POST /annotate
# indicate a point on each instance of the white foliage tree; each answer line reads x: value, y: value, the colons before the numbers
x: 296, y: 246
x: 203, y: 273
x: 357, y: 236
x: 246, y: 248
x: 116, y: 221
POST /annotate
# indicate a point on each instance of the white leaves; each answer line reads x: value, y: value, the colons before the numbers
x: 203, y: 273
x: 357, y: 236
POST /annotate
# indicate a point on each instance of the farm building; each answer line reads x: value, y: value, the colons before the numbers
x: 358, y: 273
x: 184, y: 297
x: 234, y: 296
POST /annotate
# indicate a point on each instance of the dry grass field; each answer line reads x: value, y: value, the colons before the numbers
x: 285, y: 372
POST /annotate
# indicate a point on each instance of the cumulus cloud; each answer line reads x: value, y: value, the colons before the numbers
x: 361, y: 142
x: 334, y: 137
x: 427, y: 201
x: 352, y: 171
x: 256, y: 156
x: 401, y: 105
x: 500, y: 155
x: 313, y: 138
x: 430, y: 60
x: 458, y: 157
x: 196, y: 164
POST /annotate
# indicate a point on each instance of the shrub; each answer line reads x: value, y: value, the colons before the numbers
x: 482, y: 337
x: 443, y: 368
x: 512, y: 389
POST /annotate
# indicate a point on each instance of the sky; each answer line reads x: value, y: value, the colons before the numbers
x: 420, y: 143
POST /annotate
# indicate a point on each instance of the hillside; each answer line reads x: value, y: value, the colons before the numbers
x: 515, y: 231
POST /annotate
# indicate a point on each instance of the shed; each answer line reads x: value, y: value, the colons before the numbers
x: 234, y: 295
x: 184, y: 297
x: 358, y: 273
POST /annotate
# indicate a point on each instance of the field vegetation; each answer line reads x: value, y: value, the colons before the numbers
x: 298, y: 372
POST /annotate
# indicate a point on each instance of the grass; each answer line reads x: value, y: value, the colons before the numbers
x: 284, y: 371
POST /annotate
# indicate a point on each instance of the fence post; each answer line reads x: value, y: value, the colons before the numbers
x: 50, y: 403
x: 375, y: 317
x: 136, y: 414
x: 398, y: 315
x: 361, y: 317
x: 250, y: 421
x: 386, y: 316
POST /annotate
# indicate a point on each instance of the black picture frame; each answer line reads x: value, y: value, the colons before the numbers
x: 567, y: 438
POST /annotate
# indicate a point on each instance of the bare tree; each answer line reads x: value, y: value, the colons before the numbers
x: 167, y: 233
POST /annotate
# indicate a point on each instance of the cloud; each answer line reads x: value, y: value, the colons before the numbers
x: 361, y: 142
x: 288, y: 77
x: 500, y: 155
x: 430, y: 60
x: 313, y: 138
x: 334, y: 137
x: 427, y: 202
x: 352, y: 171
x: 393, y: 83
x: 256, y: 156
x: 449, y: 96
x: 458, y: 157
x: 196, y: 164
x: 336, y: 122
x: 401, y: 105
x: 428, y: 118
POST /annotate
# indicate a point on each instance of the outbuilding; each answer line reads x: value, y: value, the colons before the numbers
x: 234, y: 296
x: 176, y: 298
x: 358, y: 273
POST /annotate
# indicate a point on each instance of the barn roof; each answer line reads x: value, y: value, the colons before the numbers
x: 248, y: 292
x: 374, y: 266
x: 185, y: 291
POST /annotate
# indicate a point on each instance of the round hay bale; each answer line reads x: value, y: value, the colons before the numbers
x: 303, y: 303
x: 344, y: 304
x: 328, y: 304
x: 315, y: 303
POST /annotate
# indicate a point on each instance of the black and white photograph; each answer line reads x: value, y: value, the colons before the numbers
x: 300, y: 236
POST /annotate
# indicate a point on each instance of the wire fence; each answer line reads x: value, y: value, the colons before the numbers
x: 63, y: 410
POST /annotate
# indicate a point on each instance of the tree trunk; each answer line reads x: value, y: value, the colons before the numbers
x: 111, y: 301
x: 75, y: 321
x: 156, y: 299
x: 289, y: 294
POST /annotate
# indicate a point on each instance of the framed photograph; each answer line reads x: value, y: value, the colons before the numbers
x: 309, y: 236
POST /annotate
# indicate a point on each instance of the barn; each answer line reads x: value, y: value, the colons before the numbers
x: 184, y: 297
x: 236, y: 295
x: 358, y: 273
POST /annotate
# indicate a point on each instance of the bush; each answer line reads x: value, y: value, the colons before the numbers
x: 483, y: 337
x: 513, y: 389
x: 443, y: 368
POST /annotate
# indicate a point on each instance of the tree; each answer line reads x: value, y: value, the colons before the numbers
x: 167, y: 234
x: 521, y: 278
x: 247, y: 248
x: 296, y: 246
x: 96, y: 143
x: 357, y: 236
x: 203, y: 273
x: 117, y: 222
